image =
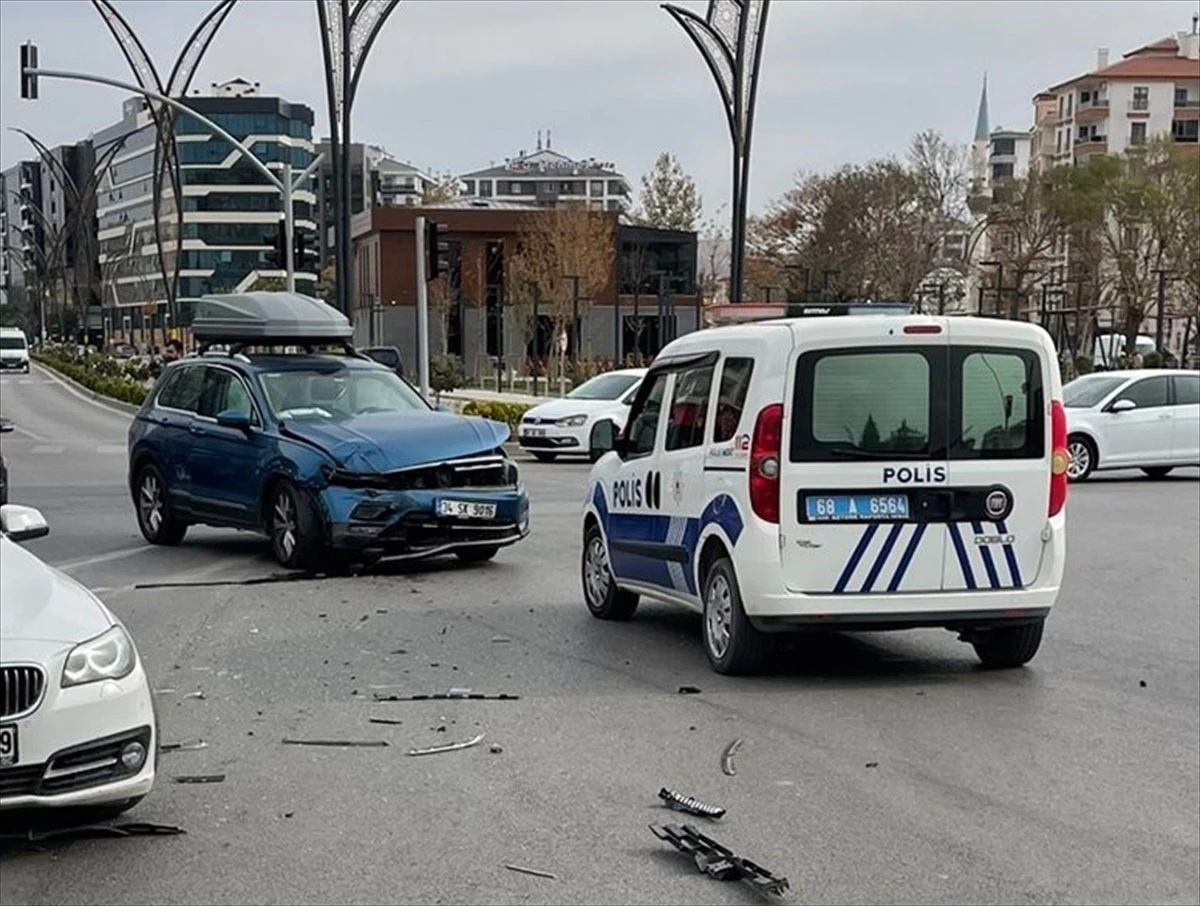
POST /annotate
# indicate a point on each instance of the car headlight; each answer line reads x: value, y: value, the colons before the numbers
x: 109, y: 655
x: 571, y: 421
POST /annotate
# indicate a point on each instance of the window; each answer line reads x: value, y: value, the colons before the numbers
x: 1185, y: 130
x: 1141, y: 98
x: 735, y: 383
x: 337, y: 392
x: 996, y: 413
x: 485, y: 188
x: 182, y: 389
x: 223, y: 390
x: 604, y: 387
x: 1187, y: 389
x: 1087, y: 391
x: 868, y: 402
x: 643, y: 425
x: 1137, y: 133
x: 596, y: 188
x: 1004, y: 146
x: 1181, y: 97
x: 1002, y: 171
x: 1148, y: 393
x: 689, y: 408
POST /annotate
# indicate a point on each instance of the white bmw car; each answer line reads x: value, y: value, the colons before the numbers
x: 77, y: 722
x: 568, y: 425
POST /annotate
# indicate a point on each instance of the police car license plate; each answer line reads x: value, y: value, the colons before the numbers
x: 855, y: 507
x: 466, y: 509
x: 8, y: 746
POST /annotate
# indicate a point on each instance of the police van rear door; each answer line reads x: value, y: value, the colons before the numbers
x: 864, y: 466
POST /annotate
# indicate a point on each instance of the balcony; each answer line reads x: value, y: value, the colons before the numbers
x: 1187, y: 103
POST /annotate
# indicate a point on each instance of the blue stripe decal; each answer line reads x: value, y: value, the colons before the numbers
x: 963, y: 562
x: 1010, y: 555
x: 855, y: 557
x: 888, y: 543
x: 989, y: 563
x: 906, y: 558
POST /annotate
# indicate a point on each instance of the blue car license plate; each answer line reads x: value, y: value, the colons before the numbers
x: 856, y: 507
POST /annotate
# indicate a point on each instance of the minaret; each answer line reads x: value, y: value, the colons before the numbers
x: 979, y: 149
x: 979, y: 198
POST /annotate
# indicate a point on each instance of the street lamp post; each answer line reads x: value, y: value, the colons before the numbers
x: 287, y: 186
x: 730, y: 38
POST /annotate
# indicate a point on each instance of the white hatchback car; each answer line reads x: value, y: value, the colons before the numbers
x: 77, y: 722
x: 1147, y: 419
x: 569, y: 425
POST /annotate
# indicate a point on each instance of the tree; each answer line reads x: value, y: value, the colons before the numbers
x: 555, y: 247
x: 713, y: 266
x: 669, y: 199
x: 268, y: 285
x: 444, y: 187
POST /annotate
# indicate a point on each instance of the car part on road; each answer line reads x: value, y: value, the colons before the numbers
x: 339, y: 743
x: 689, y: 690
x: 537, y: 873
x: 718, y: 861
x: 447, y: 696
x: 384, y: 720
x: 452, y: 747
x: 218, y: 583
x: 199, y: 778
x: 690, y: 805
x: 94, y: 831
x: 727, y: 763
x: 191, y: 746
x: 199, y: 693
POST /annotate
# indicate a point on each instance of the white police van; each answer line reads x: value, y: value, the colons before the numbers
x: 864, y: 472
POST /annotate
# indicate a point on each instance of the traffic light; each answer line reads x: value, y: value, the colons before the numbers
x: 29, y: 60
x: 306, y: 253
x: 437, y: 251
x: 277, y: 256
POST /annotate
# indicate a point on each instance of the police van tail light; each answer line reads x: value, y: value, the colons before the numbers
x: 1059, y: 457
x: 764, y: 463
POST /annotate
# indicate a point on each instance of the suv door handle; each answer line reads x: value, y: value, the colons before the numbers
x: 196, y: 429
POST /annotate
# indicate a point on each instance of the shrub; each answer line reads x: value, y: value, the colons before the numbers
x: 1152, y: 360
x: 95, y: 376
x: 508, y: 413
x: 446, y: 374
x: 1084, y: 364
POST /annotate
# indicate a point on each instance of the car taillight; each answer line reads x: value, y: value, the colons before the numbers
x: 764, y: 463
x: 1059, y: 457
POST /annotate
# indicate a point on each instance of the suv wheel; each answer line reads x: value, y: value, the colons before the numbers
x: 733, y: 646
x: 297, y: 540
x: 603, y: 597
x: 155, y: 519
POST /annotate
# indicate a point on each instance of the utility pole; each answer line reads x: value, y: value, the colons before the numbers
x: 422, y: 311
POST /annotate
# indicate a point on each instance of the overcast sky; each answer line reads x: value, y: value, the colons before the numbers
x: 457, y: 84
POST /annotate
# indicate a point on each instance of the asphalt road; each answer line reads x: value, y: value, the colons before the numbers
x: 875, y: 769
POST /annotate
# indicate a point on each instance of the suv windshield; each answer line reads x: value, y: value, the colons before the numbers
x: 337, y: 392
x: 604, y: 387
x: 1088, y: 391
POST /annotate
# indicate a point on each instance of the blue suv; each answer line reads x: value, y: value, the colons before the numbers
x: 326, y: 455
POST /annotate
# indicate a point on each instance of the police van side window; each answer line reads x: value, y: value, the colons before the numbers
x: 689, y: 408
x: 642, y: 432
x: 735, y: 383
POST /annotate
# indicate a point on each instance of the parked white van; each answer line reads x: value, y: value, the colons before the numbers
x: 862, y: 472
x: 14, y: 349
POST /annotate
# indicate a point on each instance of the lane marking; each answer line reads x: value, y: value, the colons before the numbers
x: 70, y: 565
x: 47, y: 449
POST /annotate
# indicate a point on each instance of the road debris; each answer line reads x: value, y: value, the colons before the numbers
x: 199, y: 694
x: 384, y: 720
x: 218, y: 583
x: 872, y: 764
x: 452, y: 747
x: 93, y: 831
x: 497, y: 639
x: 455, y: 695
x: 727, y: 763
x: 688, y: 804
x: 189, y: 746
x: 339, y: 743
x: 495, y: 748
x: 537, y: 873
x: 718, y: 861
x: 165, y: 691
x: 199, y: 778
x: 689, y: 690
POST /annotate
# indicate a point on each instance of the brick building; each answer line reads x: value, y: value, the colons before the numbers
x: 649, y: 298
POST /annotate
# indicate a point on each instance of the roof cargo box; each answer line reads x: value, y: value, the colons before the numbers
x: 267, y: 318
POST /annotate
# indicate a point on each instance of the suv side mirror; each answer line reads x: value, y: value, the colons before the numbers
x: 234, y: 418
x: 1122, y: 405
x: 22, y: 523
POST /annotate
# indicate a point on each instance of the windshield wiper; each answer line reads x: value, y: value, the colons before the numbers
x: 846, y: 451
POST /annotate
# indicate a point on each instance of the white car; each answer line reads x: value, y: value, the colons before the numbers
x: 77, y: 722
x: 569, y: 425
x: 1147, y: 419
x: 14, y: 349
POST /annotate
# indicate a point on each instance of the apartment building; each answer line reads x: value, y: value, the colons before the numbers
x: 22, y: 261
x: 548, y: 179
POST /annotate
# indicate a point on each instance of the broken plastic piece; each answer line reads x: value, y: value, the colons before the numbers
x: 501, y: 638
x: 718, y: 861
x: 537, y: 873
x: 384, y: 720
x: 447, y: 696
x: 199, y: 693
x: 200, y: 778
x: 690, y: 805
x: 189, y: 746
x: 453, y: 747
x: 689, y: 690
x: 85, y: 831
x: 355, y: 743
x: 727, y: 764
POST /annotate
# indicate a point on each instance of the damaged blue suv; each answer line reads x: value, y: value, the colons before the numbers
x: 332, y: 456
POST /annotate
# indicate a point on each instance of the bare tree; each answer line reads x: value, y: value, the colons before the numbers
x: 713, y: 267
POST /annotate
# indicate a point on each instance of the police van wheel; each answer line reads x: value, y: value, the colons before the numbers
x: 733, y: 646
x: 1008, y: 646
x: 604, y: 598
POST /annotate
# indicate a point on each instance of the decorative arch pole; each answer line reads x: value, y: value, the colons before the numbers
x: 730, y: 38
x: 166, y: 153
x: 348, y: 30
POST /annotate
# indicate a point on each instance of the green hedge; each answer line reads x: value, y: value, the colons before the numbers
x: 509, y: 413
x: 112, y: 386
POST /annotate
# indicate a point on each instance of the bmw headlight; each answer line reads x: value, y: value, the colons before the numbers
x: 109, y: 655
x: 571, y: 421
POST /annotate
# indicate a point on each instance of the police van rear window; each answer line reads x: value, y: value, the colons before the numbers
x: 921, y: 403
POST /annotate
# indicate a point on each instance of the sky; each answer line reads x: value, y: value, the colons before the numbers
x: 459, y: 84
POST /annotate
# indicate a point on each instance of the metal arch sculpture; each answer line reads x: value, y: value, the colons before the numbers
x: 730, y: 38
x: 166, y: 154
x: 348, y: 31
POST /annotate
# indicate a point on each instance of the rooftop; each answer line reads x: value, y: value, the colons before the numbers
x: 546, y: 161
x: 1168, y: 59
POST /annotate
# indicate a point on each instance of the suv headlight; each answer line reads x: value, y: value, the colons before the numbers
x: 571, y: 421
x: 109, y: 655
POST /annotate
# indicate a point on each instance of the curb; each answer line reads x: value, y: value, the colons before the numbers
x: 91, y: 395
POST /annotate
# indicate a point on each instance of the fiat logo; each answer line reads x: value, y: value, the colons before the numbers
x: 997, y: 503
